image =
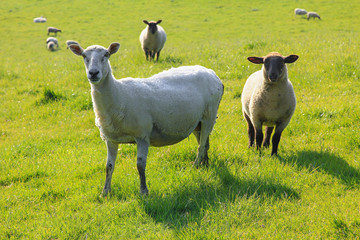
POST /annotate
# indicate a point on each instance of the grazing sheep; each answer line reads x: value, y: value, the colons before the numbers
x: 51, y: 46
x: 152, y: 39
x: 313, y: 15
x: 53, y: 30
x: 39, y: 20
x: 268, y: 99
x: 52, y: 39
x: 157, y: 111
x: 299, y: 11
x: 69, y: 42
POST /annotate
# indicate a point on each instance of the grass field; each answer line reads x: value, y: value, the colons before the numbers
x: 52, y: 159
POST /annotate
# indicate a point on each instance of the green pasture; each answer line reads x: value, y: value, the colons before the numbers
x: 52, y: 159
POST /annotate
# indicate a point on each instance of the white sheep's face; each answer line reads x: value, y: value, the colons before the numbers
x: 96, y: 63
x: 96, y: 59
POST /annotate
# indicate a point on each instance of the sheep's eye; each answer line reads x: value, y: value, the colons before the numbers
x: 86, y: 59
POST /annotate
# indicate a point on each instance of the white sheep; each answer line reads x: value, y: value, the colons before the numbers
x: 268, y: 99
x: 157, y: 111
x: 51, y: 46
x: 52, y: 39
x: 53, y: 30
x: 39, y: 20
x: 313, y: 15
x: 152, y: 39
x: 299, y: 11
x: 69, y: 42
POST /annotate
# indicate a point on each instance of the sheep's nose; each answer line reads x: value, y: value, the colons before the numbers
x: 273, y: 76
x: 93, y: 73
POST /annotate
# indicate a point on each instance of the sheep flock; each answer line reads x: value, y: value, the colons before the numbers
x: 167, y: 107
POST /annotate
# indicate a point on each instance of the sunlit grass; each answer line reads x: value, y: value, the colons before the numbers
x: 52, y: 159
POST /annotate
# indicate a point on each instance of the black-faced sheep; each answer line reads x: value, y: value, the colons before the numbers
x: 53, y: 30
x: 268, y: 99
x: 313, y: 15
x: 152, y: 39
x: 157, y: 111
x: 52, y: 39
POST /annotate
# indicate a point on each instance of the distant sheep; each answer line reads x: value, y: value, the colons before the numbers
x: 51, y: 46
x: 53, y: 30
x: 268, y: 99
x: 69, y: 42
x: 299, y: 11
x: 39, y: 20
x: 152, y: 39
x: 313, y: 15
x: 157, y: 111
x: 52, y: 39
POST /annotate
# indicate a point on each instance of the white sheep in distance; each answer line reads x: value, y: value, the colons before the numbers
x: 268, y: 99
x: 157, y: 111
x: 53, y: 30
x: 299, y: 11
x: 152, y: 39
x: 69, y: 42
x: 52, y: 39
x: 313, y: 15
x: 39, y: 20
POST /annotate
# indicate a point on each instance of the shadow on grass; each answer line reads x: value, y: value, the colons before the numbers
x: 326, y: 162
x: 188, y: 202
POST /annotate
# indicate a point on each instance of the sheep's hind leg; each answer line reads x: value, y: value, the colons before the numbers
x: 157, y: 55
x: 142, y: 152
x: 112, y: 150
x: 268, y: 132
x: 202, y: 133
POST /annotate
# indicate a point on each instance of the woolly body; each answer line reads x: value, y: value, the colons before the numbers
x: 299, y: 11
x: 52, y: 39
x: 157, y: 111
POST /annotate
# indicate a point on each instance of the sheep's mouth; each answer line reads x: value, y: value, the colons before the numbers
x: 94, y: 80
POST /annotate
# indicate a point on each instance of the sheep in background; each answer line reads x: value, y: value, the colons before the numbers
x: 152, y: 39
x: 268, y: 99
x: 51, y: 46
x: 39, y: 20
x: 53, y: 30
x: 157, y: 111
x: 313, y: 15
x: 299, y: 11
x: 52, y: 39
x: 69, y: 42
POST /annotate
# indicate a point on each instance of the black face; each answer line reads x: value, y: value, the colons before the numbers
x: 274, y: 66
x: 153, y: 27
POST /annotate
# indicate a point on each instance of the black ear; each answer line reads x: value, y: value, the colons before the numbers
x: 158, y: 21
x: 146, y: 22
x: 256, y: 60
x: 76, y: 49
x: 291, y: 58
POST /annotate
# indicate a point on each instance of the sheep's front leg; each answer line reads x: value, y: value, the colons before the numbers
x: 251, y: 130
x: 142, y: 152
x: 268, y: 132
x: 259, y: 136
x: 112, y: 150
x: 277, y: 135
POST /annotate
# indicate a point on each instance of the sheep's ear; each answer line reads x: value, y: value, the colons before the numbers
x: 146, y: 22
x: 256, y: 60
x: 158, y: 21
x: 113, y: 48
x: 291, y: 58
x: 76, y: 49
